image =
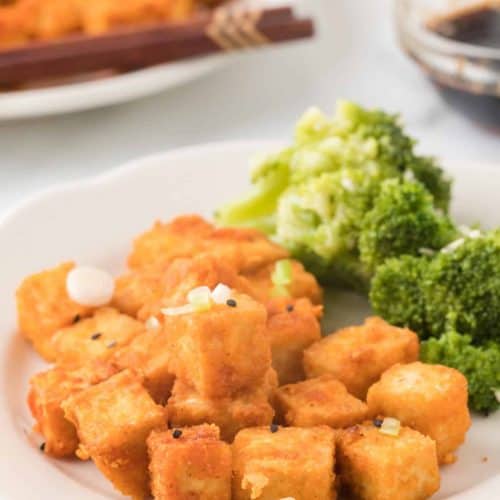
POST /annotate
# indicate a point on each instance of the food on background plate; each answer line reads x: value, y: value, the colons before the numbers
x: 429, y: 398
x: 377, y: 465
x: 352, y: 200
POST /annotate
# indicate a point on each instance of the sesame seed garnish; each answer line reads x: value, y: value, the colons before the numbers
x: 289, y: 308
x: 111, y: 344
x: 274, y: 428
x: 96, y: 336
x: 377, y: 422
x: 177, y: 434
x: 42, y: 447
x: 76, y: 319
x: 231, y: 303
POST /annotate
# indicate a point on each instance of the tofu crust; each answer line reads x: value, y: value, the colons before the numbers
x: 192, y: 465
x: 284, y: 462
x: 431, y: 399
x: 319, y: 401
x: 358, y: 355
x: 374, y: 466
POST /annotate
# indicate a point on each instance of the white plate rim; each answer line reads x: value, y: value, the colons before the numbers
x: 477, y: 491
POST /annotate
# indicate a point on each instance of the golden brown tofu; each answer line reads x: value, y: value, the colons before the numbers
x: 431, y: 399
x: 292, y: 326
x: 47, y: 392
x: 222, y: 350
x: 246, y: 250
x: 113, y: 420
x: 285, y: 462
x: 43, y: 307
x: 149, y: 354
x: 190, y: 463
x: 375, y: 466
x: 358, y: 355
x: 183, y: 275
x: 319, y: 401
x: 303, y: 284
x: 94, y: 338
x: 248, y: 408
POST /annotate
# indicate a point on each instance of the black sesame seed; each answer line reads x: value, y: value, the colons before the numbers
x: 274, y: 428
x: 76, y: 319
x: 289, y: 308
x: 42, y: 447
x: 377, y: 422
x: 96, y: 336
x: 177, y: 434
x: 231, y: 303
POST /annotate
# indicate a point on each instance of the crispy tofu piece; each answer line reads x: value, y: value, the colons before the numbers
x: 358, y: 355
x: 222, y: 350
x: 292, y: 462
x: 431, y: 399
x: 246, y: 250
x: 149, y: 354
x: 249, y: 408
x: 292, y: 326
x: 319, y: 401
x: 47, y: 392
x: 303, y: 283
x: 374, y: 466
x: 94, y: 338
x: 43, y: 307
x: 183, y: 275
x: 192, y: 465
x: 113, y: 420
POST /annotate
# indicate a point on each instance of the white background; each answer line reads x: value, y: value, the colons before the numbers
x: 355, y: 56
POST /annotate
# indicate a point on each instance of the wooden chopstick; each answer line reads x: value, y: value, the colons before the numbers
x: 205, y: 34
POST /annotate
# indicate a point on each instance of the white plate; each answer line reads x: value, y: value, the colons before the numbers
x: 106, y: 91
x: 94, y: 222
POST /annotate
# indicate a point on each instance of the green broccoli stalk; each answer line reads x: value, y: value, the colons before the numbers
x: 480, y: 365
x: 403, y: 221
x: 458, y: 288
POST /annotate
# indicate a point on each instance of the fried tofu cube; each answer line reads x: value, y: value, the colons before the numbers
x: 292, y: 326
x: 290, y: 462
x: 94, y: 338
x: 303, y: 284
x: 222, y: 350
x: 190, y: 463
x: 47, y: 392
x: 248, y: 408
x: 431, y: 399
x: 375, y: 466
x: 183, y: 275
x: 113, y: 420
x: 43, y: 307
x: 319, y: 401
x: 358, y: 355
x: 149, y: 354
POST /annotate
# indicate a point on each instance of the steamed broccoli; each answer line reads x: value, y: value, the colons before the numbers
x: 312, y: 197
x: 480, y: 365
x: 459, y: 288
x: 403, y: 221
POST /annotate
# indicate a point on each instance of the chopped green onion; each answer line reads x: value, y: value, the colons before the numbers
x: 390, y: 427
x: 281, y: 278
x: 200, y: 298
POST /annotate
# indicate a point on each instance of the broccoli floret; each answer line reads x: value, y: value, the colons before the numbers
x: 457, y: 288
x: 313, y: 196
x: 480, y: 365
x: 396, y: 292
x: 403, y: 221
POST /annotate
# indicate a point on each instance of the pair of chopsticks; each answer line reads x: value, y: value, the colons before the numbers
x: 224, y: 29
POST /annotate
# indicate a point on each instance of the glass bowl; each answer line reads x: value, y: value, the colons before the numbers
x: 457, y: 44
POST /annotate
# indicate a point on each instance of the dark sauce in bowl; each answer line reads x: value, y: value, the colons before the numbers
x: 479, y: 27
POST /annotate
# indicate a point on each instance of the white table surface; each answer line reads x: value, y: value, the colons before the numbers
x: 259, y: 96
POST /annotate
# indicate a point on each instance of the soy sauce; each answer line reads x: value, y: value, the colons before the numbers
x: 479, y: 27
